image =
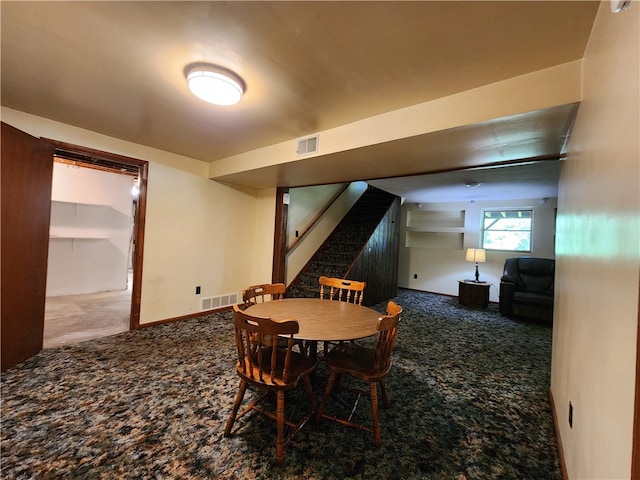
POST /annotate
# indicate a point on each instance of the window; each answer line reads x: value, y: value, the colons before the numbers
x: 507, y: 230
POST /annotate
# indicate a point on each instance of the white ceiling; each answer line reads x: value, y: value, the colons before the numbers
x: 117, y: 68
x: 529, y: 180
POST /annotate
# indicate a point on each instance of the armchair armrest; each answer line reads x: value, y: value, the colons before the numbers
x: 507, y: 289
x: 509, y: 278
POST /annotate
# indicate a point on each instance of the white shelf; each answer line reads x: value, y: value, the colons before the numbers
x: 87, y: 204
x: 436, y: 229
x: 59, y: 231
x: 77, y: 237
x: 435, y: 219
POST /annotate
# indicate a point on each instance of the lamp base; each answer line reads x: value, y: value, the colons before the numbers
x: 477, y: 275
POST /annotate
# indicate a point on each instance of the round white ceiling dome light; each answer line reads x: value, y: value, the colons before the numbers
x: 214, y: 84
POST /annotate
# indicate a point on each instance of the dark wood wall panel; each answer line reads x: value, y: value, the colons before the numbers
x: 378, y: 263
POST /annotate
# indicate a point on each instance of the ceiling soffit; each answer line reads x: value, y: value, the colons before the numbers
x: 535, y: 135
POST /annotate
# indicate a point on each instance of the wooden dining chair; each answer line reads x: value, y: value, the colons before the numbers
x: 370, y: 365
x: 342, y: 290
x: 271, y: 370
x: 263, y: 293
x: 267, y: 292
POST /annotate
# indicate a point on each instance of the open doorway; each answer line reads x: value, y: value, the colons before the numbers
x: 95, y: 246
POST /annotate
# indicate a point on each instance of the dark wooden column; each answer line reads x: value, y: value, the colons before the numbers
x: 278, y: 272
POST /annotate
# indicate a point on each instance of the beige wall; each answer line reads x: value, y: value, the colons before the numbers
x: 198, y: 232
x: 439, y: 269
x: 596, y: 312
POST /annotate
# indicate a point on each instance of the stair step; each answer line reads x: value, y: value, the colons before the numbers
x: 347, y: 239
x: 333, y: 258
x: 328, y: 270
x: 349, y: 250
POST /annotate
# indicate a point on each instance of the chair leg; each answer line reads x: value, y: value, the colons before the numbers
x: 309, y: 389
x: 234, y: 411
x: 377, y: 434
x: 311, y: 347
x: 280, y: 427
x: 383, y: 389
x: 325, y: 396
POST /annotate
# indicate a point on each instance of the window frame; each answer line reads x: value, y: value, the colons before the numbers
x: 510, y: 209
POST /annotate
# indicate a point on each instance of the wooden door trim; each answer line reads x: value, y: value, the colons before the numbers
x: 139, y: 218
x: 635, y: 447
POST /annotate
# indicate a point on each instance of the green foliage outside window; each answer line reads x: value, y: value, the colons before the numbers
x: 508, y: 230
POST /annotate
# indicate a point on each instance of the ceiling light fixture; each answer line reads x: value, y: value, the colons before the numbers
x: 618, y: 6
x: 214, y: 84
x: 472, y: 184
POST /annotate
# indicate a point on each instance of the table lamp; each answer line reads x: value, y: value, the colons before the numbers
x: 476, y: 255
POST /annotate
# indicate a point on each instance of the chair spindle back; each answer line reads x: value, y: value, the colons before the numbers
x: 350, y: 291
x: 263, y: 293
x: 259, y: 359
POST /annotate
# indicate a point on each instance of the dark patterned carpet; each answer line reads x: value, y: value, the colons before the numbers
x: 469, y: 400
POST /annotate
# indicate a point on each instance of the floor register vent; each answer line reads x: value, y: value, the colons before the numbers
x: 211, y: 303
x: 307, y: 145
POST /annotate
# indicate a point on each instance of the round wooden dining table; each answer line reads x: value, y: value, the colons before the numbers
x: 321, y: 320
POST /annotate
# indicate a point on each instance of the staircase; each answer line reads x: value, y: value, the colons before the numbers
x: 341, y: 250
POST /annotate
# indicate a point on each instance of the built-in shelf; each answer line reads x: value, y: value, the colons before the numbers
x: 435, y: 219
x: 78, y: 236
x: 78, y: 232
x: 435, y: 229
x: 80, y: 220
x: 86, y: 204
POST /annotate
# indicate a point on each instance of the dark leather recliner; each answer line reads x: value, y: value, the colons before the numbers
x: 526, y: 288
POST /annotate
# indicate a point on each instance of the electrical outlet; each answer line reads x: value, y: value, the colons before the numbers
x: 570, y: 415
x: 415, y: 275
x: 297, y: 234
x: 198, y: 290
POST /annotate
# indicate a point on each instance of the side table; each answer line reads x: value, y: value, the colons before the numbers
x: 473, y: 294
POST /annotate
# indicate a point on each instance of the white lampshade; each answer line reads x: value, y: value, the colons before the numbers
x: 214, y: 84
x: 476, y: 255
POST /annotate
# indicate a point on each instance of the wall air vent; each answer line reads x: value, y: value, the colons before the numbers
x: 220, y: 301
x: 307, y: 145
